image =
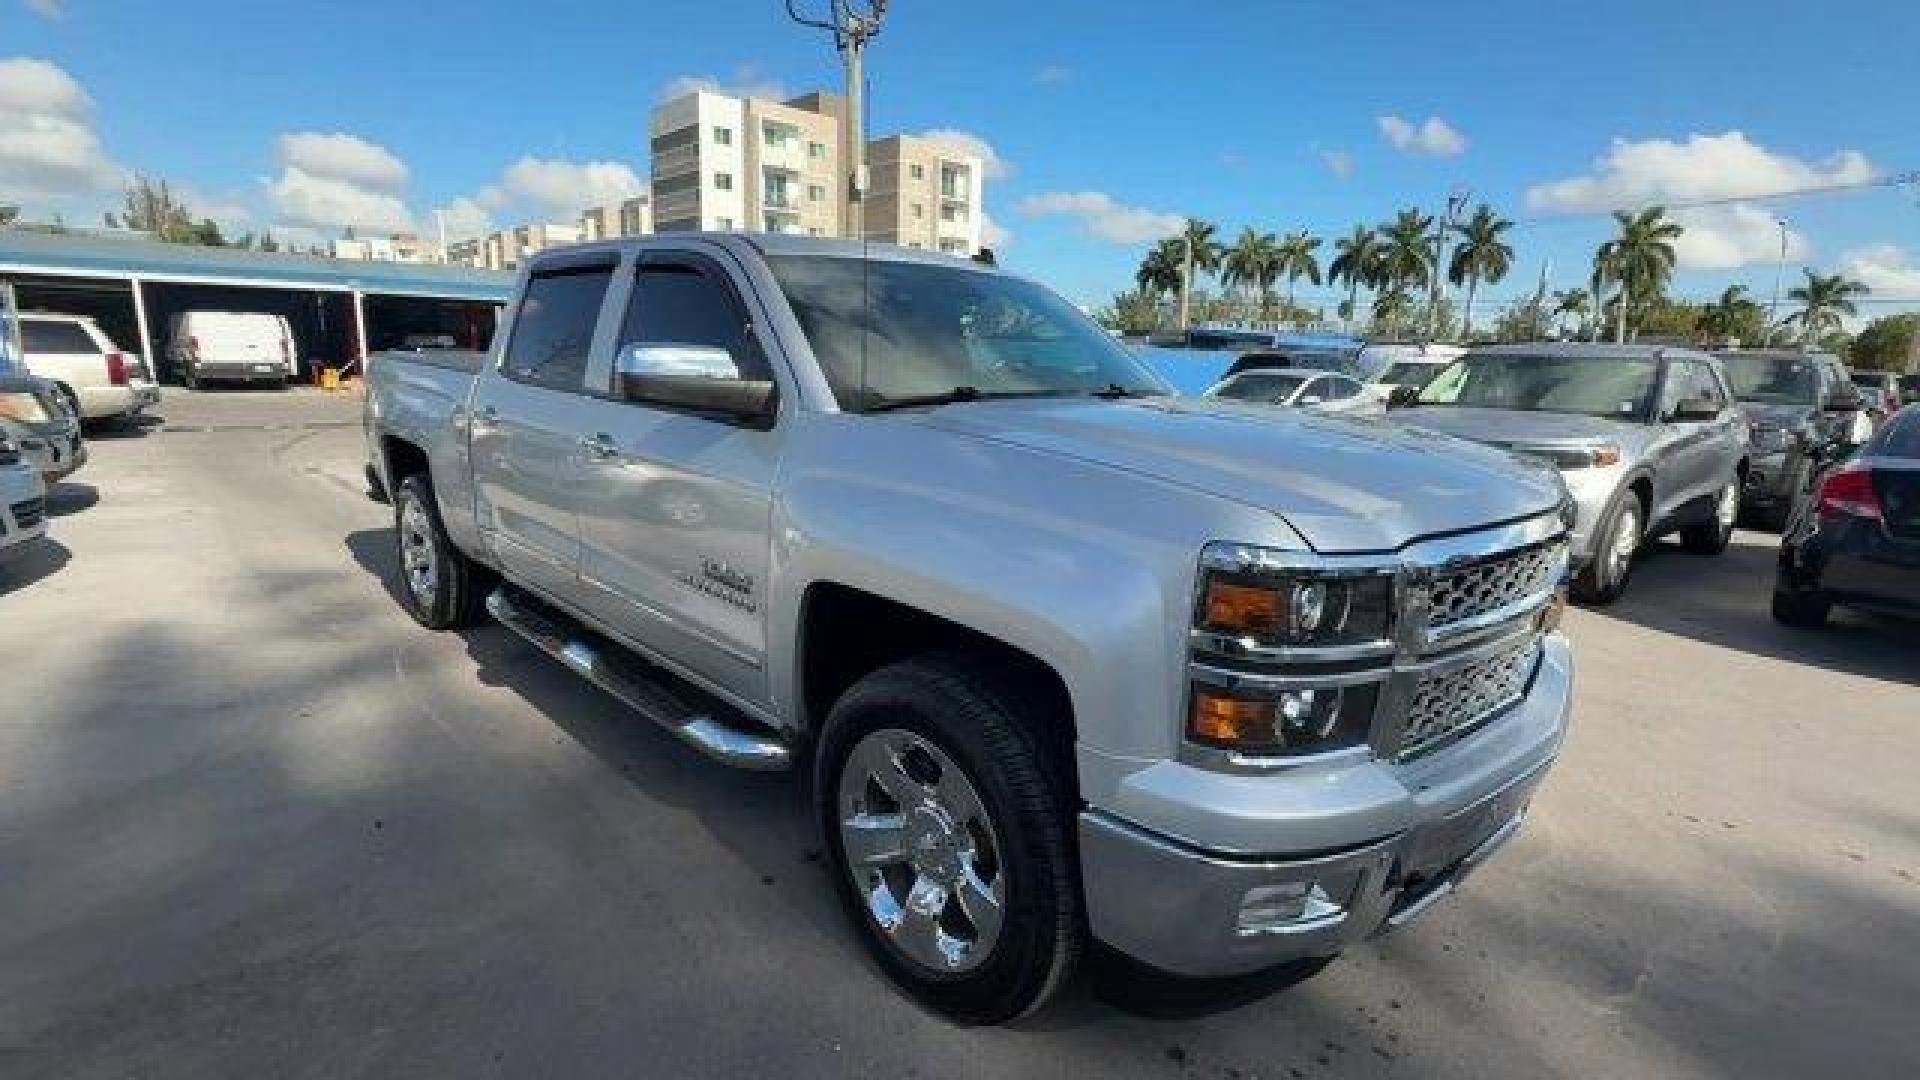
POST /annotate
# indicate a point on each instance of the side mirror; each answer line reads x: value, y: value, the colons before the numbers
x: 697, y: 377
x: 1695, y: 411
x: 1403, y: 397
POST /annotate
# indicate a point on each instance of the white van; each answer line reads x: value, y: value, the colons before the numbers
x: 232, y: 346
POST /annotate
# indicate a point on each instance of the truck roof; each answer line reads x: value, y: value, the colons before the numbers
x: 773, y: 244
x: 1588, y: 350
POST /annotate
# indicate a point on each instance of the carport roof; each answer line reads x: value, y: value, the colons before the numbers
x: 97, y: 256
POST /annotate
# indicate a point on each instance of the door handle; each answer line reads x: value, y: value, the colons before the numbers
x: 600, y: 445
x: 485, y: 416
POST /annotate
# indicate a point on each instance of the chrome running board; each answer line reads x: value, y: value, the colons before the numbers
x: 636, y: 684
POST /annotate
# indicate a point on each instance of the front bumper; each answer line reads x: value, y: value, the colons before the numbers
x: 242, y: 371
x: 1178, y: 905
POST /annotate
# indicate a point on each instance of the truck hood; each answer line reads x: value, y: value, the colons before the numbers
x: 1345, y: 485
x: 1514, y: 427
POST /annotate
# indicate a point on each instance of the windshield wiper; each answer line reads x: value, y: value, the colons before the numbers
x: 1114, y: 390
x: 949, y: 397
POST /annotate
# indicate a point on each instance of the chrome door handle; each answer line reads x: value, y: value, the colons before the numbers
x: 600, y: 445
x: 485, y: 416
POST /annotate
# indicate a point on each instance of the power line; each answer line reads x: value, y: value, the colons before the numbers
x: 1890, y: 180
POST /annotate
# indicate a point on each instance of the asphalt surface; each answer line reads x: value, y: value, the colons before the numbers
x: 255, y: 822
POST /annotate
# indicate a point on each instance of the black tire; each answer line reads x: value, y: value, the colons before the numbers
x: 456, y: 595
x: 1603, y: 580
x: 1800, y: 608
x: 72, y: 401
x: 1712, y: 535
x: 966, y: 709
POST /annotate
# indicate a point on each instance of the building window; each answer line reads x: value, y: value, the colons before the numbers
x: 723, y: 223
x: 723, y: 135
x: 774, y: 134
x: 917, y: 171
x: 816, y: 193
x: 919, y: 211
x: 816, y: 150
x: 813, y: 230
x: 947, y: 214
x: 723, y: 181
x: 917, y: 244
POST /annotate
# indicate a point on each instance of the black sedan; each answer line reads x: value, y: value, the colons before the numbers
x: 1854, y: 538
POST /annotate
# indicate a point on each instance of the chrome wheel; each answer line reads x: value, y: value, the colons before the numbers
x: 922, y: 851
x: 419, y: 559
x: 1626, y: 540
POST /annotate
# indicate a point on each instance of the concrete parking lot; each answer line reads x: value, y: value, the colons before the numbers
x: 255, y: 822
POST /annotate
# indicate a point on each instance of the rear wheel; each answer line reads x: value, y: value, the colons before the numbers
x: 1801, y: 609
x: 442, y: 588
x: 1711, y: 536
x: 950, y: 837
x: 1606, y: 574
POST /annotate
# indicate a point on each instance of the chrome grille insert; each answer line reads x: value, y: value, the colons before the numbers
x: 1459, y: 699
x: 1456, y: 596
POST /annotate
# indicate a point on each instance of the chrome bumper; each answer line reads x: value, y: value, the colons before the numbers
x: 1184, y: 909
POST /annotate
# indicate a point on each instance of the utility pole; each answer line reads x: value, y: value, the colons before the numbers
x: 1186, y: 276
x: 1779, y: 268
x: 852, y: 27
x: 1455, y: 200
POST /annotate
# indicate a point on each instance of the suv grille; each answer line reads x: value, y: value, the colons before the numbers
x: 29, y: 513
x: 1456, y: 701
x: 1475, y: 590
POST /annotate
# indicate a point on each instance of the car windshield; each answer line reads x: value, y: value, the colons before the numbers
x: 892, y: 332
x: 1770, y: 380
x: 1409, y: 373
x: 1617, y: 387
x: 1259, y: 386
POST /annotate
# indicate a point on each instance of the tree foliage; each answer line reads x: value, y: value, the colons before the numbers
x: 151, y: 206
x: 1824, y: 301
x: 1889, y: 343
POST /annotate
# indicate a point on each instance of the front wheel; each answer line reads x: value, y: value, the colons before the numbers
x: 440, y: 585
x: 950, y: 837
x: 1606, y: 574
x: 1711, y: 536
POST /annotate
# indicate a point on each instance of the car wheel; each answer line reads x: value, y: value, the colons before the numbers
x: 1710, y: 537
x: 1800, y: 608
x: 71, y: 400
x: 441, y: 586
x: 950, y: 837
x: 1606, y: 574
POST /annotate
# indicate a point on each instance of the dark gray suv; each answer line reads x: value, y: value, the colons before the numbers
x: 1797, y: 405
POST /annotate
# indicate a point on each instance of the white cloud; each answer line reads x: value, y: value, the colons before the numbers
x: 1890, y: 271
x: 1704, y: 167
x: 1740, y: 234
x: 992, y: 165
x: 54, y: 10
x: 1433, y: 137
x: 747, y: 81
x: 1338, y: 162
x: 1052, y: 74
x: 559, y: 187
x: 232, y: 212
x: 1104, y: 217
x: 340, y: 156
x: 48, y: 147
x: 993, y: 234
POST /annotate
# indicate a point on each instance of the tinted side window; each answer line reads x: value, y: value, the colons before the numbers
x: 675, y: 304
x: 42, y: 336
x: 553, y: 330
x: 1707, y: 384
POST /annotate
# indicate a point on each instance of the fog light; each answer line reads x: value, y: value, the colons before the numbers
x: 1291, y: 908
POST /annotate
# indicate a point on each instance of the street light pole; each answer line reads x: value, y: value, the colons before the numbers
x: 1455, y: 200
x: 852, y: 28
x: 1779, y: 268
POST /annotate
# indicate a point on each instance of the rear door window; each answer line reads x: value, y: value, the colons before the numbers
x: 48, y: 336
x: 553, y: 330
x: 682, y: 303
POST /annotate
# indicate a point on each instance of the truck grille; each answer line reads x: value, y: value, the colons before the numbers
x: 1458, y: 595
x: 29, y: 513
x: 1458, y: 700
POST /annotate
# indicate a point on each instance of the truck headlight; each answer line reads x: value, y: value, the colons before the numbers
x: 1249, y: 595
x: 1280, y: 722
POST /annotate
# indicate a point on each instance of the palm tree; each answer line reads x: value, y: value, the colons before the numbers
x: 1356, y: 261
x: 1200, y: 254
x: 1824, y: 300
x: 1163, y: 268
x: 1575, y: 302
x: 1407, y: 259
x: 1297, y: 259
x: 1249, y: 264
x: 1726, y: 317
x: 1640, y: 259
x: 1391, y: 305
x: 1481, y: 255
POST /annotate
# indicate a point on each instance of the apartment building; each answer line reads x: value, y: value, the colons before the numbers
x: 723, y: 162
x: 924, y: 193
x: 399, y: 247
x: 507, y: 248
x: 628, y: 217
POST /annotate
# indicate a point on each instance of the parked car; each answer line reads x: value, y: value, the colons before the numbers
x: 1886, y: 385
x: 1648, y: 439
x: 1854, y: 537
x: 1403, y: 370
x: 232, y: 346
x: 46, y: 433
x: 1287, y: 359
x: 1306, y: 388
x: 98, y: 380
x: 1067, y: 656
x: 1796, y: 405
x: 23, y: 502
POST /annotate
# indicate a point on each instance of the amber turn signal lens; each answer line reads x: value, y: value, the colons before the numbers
x: 1243, y: 609
x: 1227, y: 721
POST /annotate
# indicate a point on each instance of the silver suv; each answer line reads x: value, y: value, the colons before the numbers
x: 1649, y: 440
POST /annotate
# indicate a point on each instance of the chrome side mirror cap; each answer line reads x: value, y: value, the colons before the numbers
x: 699, y: 378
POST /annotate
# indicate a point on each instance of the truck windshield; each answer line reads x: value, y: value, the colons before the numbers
x: 1771, y: 380
x: 1615, y: 387
x: 1416, y: 374
x: 893, y: 332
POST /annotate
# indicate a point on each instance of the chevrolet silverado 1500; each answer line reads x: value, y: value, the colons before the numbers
x: 1066, y: 657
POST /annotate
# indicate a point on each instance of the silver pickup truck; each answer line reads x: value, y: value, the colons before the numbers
x: 1067, y: 658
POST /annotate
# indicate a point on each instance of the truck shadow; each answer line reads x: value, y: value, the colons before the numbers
x: 1725, y: 600
x: 67, y: 497
x: 41, y: 561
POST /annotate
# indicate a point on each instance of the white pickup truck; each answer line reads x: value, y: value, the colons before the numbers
x: 1066, y: 658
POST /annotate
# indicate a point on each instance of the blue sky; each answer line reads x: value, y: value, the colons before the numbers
x: 1110, y: 118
